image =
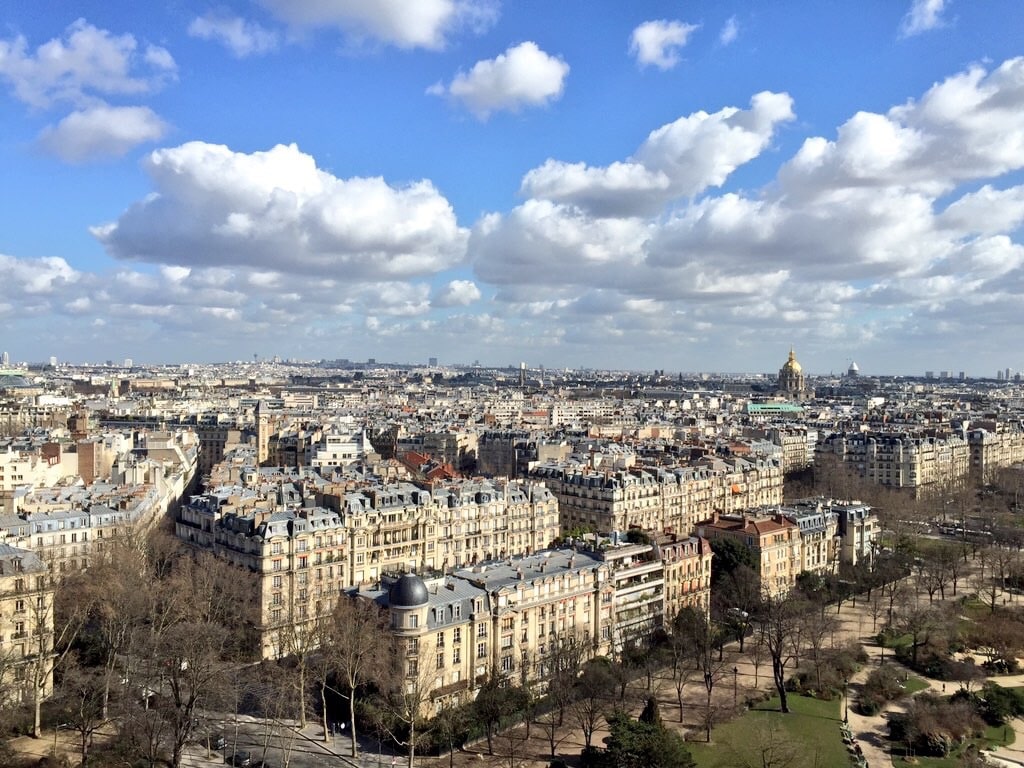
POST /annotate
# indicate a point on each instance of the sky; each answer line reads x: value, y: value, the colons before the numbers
x: 689, y: 185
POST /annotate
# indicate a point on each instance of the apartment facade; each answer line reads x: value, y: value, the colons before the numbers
x: 307, y: 541
x: 775, y: 542
x: 26, y: 626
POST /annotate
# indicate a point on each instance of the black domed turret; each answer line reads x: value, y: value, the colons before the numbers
x: 408, y: 592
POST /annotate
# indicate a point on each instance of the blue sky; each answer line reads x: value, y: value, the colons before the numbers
x: 689, y: 185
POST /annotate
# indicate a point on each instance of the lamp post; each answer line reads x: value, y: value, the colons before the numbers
x: 846, y: 700
x: 735, y: 685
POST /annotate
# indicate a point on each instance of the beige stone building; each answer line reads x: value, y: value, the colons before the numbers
x: 775, y: 542
x: 686, y: 563
x: 656, y: 498
x: 994, y: 446
x: 504, y: 619
x: 304, y: 553
x: 922, y: 463
x: 26, y: 626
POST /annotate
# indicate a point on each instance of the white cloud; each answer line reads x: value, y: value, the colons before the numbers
x: 457, y: 293
x: 277, y: 211
x: 44, y: 276
x: 969, y: 126
x: 923, y: 15
x: 101, y: 132
x: 522, y: 76
x: 657, y: 43
x: 730, y: 30
x: 85, y: 63
x: 868, y: 235
x: 419, y: 24
x: 240, y: 36
x: 682, y: 158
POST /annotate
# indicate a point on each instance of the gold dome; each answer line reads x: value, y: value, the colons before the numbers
x: 791, y: 363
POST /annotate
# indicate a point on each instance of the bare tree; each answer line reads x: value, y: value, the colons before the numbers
x: 353, y: 641
x: 300, y: 639
x: 816, y: 633
x: 188, y: 669
x: 701, y: 638
x: 591, y: 698
x: 779, y: 621
x: 563, y: 664
x: 79, y: 700
x: 407, y: 685
x: 682, y: 666
x: 56, y: 613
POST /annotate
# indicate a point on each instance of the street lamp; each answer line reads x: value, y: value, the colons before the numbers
x: 846, y: 700
x: 735, y: 684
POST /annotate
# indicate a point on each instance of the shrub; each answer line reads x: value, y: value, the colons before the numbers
x: 882, y: 686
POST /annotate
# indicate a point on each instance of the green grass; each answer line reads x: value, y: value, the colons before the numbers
x: 914, y: 684
x: 992, y: 737
x: 810, y: 729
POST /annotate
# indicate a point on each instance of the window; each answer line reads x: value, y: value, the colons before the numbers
x: 414, y: 620
x: 277, y: 565
x: 457, y: 656
x: 277, y: 582
x: 275, y: 548
x: 275, y: 615
x: 19, y: 606
x: 275, y: 599
x: 506, y: 664
x: 440, y: 660
x: 457, y: 611
x: 481, y: 650
x: 440, y: 639
x: 457, y: 635
x: 481, y: 629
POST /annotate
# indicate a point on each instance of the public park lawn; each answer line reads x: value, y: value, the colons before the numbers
x: 810, y: 730
x: 914, y: 684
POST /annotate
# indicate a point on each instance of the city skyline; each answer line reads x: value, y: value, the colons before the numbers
x: 684, y: 186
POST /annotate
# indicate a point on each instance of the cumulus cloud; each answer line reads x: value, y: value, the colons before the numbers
x: 36, y: 277
x: 421, y: 24
x: 923, y: 15
x: 657, y: 43
x: 240, y: 36
x: 276, y: 210
x: 86, y: 63
x: 101, y: 132
x: 457, y: 293
x: 866, y: 235
x: 522, y: 76
x: 730, y: 31
x: 682, y: 158
x: 974, y: 112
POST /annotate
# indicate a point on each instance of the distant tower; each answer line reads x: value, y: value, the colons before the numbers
x: 792, y: 383
x: 6, y: 359
x: 262, y: 433
x: 128, y: 362
x: 522, y: 374
x: 853, y: 372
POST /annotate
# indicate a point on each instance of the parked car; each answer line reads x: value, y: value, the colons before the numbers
x: 216, y: 741
x: 239, y: 759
